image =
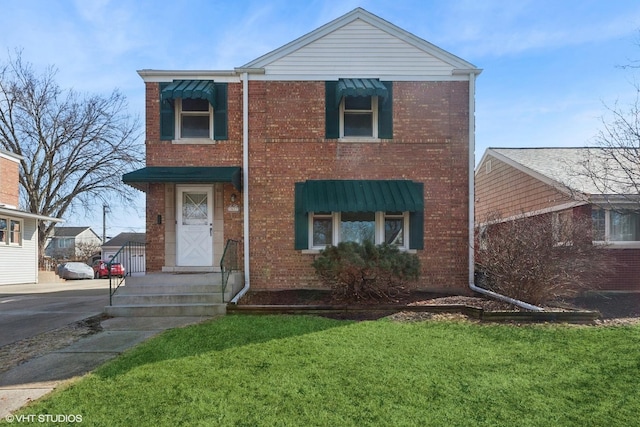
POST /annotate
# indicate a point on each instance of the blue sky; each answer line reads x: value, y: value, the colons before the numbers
x: 550, y: 66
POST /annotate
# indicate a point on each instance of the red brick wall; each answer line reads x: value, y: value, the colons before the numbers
x: 625, y: 270
x: 165, y: 153
x: 287, y: 145
x: 154, y: 255
x: 9, y: 193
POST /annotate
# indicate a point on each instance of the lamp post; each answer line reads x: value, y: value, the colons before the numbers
x: 105, y: 209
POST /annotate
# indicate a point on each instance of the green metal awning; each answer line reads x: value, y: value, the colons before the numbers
x: 362, y: 196
x: 142, y: 177
x: 191, y: 89
x: 360, y: 87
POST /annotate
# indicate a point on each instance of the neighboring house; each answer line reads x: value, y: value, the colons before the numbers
x: 18, y: 229
x: 129, y: 249
x: 72, y: 243
x: 555, y: 182
x: 357, y: 130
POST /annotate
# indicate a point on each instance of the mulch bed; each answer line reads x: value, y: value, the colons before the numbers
x: 323, y: 298
x: 411, y: 306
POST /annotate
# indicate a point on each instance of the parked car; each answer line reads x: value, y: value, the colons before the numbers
x: 101, y: 269
x: 75, y: 271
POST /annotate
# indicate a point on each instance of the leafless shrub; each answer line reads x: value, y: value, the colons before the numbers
x: 539, y: 258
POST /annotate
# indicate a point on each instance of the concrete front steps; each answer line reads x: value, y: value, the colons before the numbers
x: 169, y: 294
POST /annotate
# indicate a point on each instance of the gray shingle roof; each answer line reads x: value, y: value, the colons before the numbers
x: 572, y: 167
x: 123, y: 238
x: 68, y: 231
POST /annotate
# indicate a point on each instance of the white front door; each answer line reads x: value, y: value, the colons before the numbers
x: 194, y: 231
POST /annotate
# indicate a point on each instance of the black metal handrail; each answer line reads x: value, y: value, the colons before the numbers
x: 132, y: 258
x: 228, y: 263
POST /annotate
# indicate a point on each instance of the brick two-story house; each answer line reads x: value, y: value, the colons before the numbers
x: 357, y: 130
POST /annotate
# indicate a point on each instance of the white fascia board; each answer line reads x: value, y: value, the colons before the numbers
x: 22, y: 214
x: 617, y: 200
x: 552, y: 209
x: 336, y: 77
x: 229, y: 76
x: 10, y: 156
x: 466, y: 71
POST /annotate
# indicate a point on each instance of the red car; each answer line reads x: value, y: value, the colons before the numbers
x: 100, y: 269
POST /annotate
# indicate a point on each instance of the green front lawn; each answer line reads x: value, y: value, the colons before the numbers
x: 310, y: 371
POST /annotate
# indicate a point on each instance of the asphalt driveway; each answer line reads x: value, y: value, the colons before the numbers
x: 29, y: 310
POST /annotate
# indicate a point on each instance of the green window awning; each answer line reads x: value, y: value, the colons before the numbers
x: 360, y: 87
x: 142, y: 177
x: 362, y: 196
x: 191, y: 89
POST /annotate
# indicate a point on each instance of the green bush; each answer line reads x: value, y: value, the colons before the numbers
x: 356, y: 272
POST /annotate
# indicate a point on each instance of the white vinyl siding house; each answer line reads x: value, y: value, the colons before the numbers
x: 72, y: 242
x: 19, y: 260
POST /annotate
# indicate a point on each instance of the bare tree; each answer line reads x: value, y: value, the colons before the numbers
x: 614, y: 167
x: 540, y: 258
x: 74, y: 148
x: 85, y: 250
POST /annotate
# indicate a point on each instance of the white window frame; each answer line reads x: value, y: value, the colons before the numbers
x: 620, y: 244
x: 336, y: 218
x: 374, y: 121
x: 405, y: 227
x: 178, y: 123
x: 7, y: 236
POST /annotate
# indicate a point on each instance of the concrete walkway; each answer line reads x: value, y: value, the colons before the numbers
x: 37, y: 377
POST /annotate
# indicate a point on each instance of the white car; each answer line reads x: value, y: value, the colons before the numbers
x: 75, y: 271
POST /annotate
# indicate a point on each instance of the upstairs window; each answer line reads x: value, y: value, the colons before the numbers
x: 359, y: 116
x: 195, y: 119
x: 358, y: 108
x: 193, y: 111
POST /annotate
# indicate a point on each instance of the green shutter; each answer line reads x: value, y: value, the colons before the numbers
x: 167, y: 117
x: 385, y: 113
x: 220, y: 113
x: 416, y: 230
x: 301, y: 219
x: 332, y: 111
x: 416, y: 223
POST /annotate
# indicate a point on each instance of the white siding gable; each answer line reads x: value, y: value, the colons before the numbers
x: 359, y: 49
x: 359, y: 45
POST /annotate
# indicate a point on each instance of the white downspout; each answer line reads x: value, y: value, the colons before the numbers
x: 472, y: 165
x: 245, y: 183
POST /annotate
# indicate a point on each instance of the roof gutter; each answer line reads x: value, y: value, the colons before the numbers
x: 245, y: 183
x: 472, y: 160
